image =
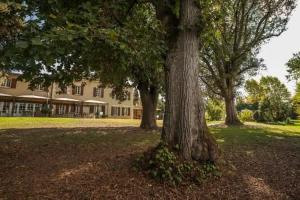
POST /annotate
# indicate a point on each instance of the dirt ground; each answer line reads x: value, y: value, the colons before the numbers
x: 96, y: 163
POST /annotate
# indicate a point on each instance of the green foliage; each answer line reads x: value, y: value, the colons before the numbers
x: 296, y: 102
x: 246, y: 115
x: 214, y: 110
x: 164, y: 165
x: 231, y: 46
x: 293, y: 66
x: 272, y: 97
x: 121, y: 43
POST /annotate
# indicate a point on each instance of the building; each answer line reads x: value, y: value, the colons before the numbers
x: 82, y: 99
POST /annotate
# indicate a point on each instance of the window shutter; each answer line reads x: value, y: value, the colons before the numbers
x: 13, y: 83
x: 73, y: 89
x: 82, y: 88
x: 91, y: 109
x: 73, y: 108
x: 128, y: 111
x: 128, y: 96
x: 45, y: 89
x: 95, y: 92
x: 102, y: 92
x: 81, y: 109
x: 103, y: 110
x: 56, y: 108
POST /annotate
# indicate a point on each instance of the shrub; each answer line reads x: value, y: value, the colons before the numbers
x: 46, y: 110
x: 246, y: 115
x: 164, y: 165
x: 214, y: 110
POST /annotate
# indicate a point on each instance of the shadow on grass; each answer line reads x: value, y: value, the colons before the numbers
x: 87, y: 163
x: 108, y: 136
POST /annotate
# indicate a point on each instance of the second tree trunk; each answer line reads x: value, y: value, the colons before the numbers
x: 149, y: 96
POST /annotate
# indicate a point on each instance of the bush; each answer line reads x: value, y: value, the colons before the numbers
x: 246, y: 115
x: 214, y: 110
x: 164, y: 165
x: 289, y: 121
x: 46, y: 110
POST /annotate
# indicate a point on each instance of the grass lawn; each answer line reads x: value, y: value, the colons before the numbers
x: 45, y: 122
x: 50, y: 159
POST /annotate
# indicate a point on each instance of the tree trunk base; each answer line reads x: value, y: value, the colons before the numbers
x: 148, y: 126
x: 236, y: 122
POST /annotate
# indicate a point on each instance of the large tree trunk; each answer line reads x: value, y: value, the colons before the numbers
x: 149, y: 98
x: 231, y: 114
x: 184, y: 122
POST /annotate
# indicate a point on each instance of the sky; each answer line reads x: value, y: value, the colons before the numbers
x: 279, y: 50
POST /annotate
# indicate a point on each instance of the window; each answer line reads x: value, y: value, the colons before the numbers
x: 77, y: 109
x: 22, y: 107
x: 127, y: 111
x: 99, y: 92
x: 37, y: 107
x: 92, y: 109
x: 61, y: 109
x: 16, y: 108
x: 4, y: 107
x: 78, y: 90
x: 114, y: 111
x: 128, y: 96
x: 120, y: 111
x: 6, y: 83
x: 30, y: 107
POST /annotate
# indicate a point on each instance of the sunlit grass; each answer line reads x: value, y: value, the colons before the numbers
x: 46, y: 122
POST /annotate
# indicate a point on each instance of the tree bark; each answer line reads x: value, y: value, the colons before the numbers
x: 184, y: 123
x: 231, y: 114
x: 149, y: 97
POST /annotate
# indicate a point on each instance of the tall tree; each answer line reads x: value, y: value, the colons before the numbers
x: 296, y: 101
x: 184, y: 120
x: 293, y: 66
x: 97, y: 42
x: 231, y: 47
x: 84, y: 35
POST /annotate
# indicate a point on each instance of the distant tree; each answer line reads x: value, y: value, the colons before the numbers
x: 254, y: 91
x: 296, y: 102
x: 293, y: 66
x: 273, y: 98
x: 231, y: 47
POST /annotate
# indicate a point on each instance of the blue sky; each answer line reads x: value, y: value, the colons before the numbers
x: 279, y: 50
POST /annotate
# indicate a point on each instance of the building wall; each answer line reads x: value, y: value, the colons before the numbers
x: 21, y: 89
x: 88, y: 94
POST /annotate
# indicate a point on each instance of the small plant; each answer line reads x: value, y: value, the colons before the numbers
x: 164, y: 165
x: 288, y: 121
x: 246, y: 115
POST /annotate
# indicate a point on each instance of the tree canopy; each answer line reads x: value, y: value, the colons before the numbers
x: 230, y: 49
x: 293, y: 66
x: 273, y: 98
